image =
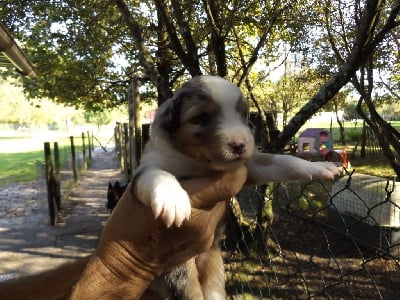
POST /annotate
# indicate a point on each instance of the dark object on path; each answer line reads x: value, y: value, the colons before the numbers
x: 114, y: 193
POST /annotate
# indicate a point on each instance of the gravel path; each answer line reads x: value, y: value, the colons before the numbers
x: 28, y: 244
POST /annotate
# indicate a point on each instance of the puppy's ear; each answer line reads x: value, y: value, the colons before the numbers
x: 110, y: 185
x: 168, y: 114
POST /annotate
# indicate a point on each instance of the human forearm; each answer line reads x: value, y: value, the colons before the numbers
x: 111, y: 280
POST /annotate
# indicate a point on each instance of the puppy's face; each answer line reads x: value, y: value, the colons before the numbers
x: 207, y: 121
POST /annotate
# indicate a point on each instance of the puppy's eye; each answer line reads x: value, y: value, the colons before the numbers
x: 201, y: 119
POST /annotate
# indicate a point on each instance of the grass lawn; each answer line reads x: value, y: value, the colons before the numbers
x: 18, y: 158
x: 17, y: 167
x: 371, y: 165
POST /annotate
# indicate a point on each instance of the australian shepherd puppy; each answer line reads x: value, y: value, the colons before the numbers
x: 201, y: 130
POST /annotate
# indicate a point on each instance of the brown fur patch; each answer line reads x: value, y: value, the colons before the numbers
x: 193, y: 137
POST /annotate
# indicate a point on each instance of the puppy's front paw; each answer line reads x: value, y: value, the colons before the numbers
x: 170, y: 202
x: 325, y: 170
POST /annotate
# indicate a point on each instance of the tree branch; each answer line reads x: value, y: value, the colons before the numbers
x: 192, y: 65
x: 217, y: 38
x: 364, y: 47
x: 254, y: 56
x: 135, y: 29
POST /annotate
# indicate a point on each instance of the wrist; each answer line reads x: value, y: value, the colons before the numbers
x: 114, y: 272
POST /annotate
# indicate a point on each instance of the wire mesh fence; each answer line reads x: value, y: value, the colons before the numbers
x: 315, y: 240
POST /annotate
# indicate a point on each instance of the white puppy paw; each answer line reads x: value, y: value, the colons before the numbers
x: 170, y: 202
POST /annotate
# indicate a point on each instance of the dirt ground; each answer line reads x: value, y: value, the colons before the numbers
x: 304, y: 260
x: 28, y: 244
x: 301, y: 259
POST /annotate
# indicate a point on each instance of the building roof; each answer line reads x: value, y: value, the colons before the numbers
x: 12, y: 55
x: 312, y: 132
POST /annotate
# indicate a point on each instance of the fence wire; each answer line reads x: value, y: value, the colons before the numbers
x: 315, y: 240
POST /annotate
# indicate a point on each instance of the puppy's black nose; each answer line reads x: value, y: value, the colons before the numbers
x: 237, y: 147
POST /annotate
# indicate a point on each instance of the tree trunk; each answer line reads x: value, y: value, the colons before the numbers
x: 164, y: 63
x: 387, y: 136
x: 363, y: 153
x: 340, y: 123
x: 145, y: 57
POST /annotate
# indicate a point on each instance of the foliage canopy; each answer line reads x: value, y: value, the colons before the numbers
x: 87, y: 52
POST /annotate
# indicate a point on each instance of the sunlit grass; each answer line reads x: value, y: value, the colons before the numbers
x: 17, y: 167
x: 376, y: 166
x: 372, y: 164
x: 18, y: 159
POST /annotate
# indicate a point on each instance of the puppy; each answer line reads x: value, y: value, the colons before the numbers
x: 201, y: 130
x: 114, y: 193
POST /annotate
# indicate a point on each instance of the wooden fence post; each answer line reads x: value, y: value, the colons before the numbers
x: 120, y: 146
x: 92, y: 139
x: 57, y: 185
x: 145, y: 134
x: 73, y: 158
x: 89, y: 146
x: 127, y: 163
x: 135, y: 129
x: 49, y: 183
x: 84, y: 165
x: 116, y: 141
x: 131, y: 126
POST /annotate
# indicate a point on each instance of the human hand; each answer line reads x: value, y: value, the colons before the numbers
x: 135, y: 248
